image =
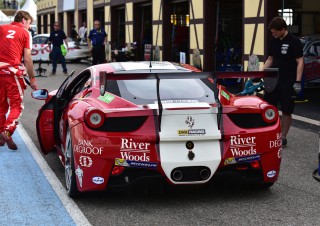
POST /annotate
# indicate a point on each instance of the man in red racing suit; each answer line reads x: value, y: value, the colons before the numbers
x: 15, y: 44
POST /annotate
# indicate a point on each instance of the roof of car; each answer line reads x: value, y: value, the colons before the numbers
x: 147, y: 66
x: 47, y: 35
x: 310, y: 37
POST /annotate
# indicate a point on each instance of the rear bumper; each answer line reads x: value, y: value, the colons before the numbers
x: 152, y: 179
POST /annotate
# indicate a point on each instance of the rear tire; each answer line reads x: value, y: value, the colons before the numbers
x: 70, y: 175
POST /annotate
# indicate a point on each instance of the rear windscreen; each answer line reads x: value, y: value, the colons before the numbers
x: 171, y: 90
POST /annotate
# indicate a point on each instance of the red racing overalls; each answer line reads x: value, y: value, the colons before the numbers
x: 12, y: 86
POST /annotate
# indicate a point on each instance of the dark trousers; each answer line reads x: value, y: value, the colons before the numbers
x: 56, y: 56
x: 98, y: 54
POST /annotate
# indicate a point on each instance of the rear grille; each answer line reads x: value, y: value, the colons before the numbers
x: 248, y: 120
x: 122, y: 124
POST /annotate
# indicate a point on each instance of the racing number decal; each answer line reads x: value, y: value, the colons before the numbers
x: 11, y: 34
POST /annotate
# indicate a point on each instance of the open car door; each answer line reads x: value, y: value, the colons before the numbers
x: 48, y: 119
x: 45, y: 127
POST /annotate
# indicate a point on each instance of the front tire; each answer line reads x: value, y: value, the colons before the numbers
x: 70, y: 175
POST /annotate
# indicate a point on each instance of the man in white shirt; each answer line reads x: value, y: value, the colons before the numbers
x: 82, y: 31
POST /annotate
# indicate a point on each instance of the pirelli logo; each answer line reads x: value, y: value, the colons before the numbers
x: 191, y: 132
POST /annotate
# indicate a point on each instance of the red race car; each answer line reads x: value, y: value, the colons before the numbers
x: 117, y: 125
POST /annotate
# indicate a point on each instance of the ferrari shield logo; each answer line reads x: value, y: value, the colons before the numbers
x: 190, y: 122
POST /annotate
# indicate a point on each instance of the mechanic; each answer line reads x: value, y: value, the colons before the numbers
x: 56, y: 39
x: 82, y: 32
x: 97, y: 40
x: 285, y: 53
x: 16, y: 43
x: 74, y: 33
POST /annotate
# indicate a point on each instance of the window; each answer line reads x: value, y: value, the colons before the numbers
x: 287, y: 15
x: 171, y: 90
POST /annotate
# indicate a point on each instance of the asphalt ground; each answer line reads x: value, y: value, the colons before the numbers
x: 293, y: 200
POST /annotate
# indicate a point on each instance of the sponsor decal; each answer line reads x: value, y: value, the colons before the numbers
x: 85, y: 161
x: 128, y: 163
x: 107, y: 98
x: 225, y: 95
x: 230, y: 161
x: 86, y: 147
x: 271, y: 173
x: 98, y: 180
x: 191, y: 132
x: 40, y: 49
x: 177, y: 101
x: 134, y: 151
x: 276, y: 143
x: 79, y: 173
x: 234, y: 160
x: 280, y: 153
x: 242, y: 146
x: 190, y: 122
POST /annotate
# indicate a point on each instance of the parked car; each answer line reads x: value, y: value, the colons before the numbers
x: 122, y: 124
x: 311, y: 53
x: 41, y: 50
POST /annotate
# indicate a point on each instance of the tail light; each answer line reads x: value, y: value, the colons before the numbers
x: 255, y: 164
x: 117, y: 170
x: 94, y: 118
x: 269, y: 113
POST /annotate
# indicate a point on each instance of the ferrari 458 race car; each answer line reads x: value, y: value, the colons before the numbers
x: 117, y: 125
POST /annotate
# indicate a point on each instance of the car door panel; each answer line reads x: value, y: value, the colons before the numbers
x: 45, y: 127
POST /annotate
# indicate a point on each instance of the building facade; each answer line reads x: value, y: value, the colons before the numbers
x: 222, y: 32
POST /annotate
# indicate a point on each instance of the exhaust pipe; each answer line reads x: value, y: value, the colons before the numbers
x: 205, y: 174
x: 177, y: 175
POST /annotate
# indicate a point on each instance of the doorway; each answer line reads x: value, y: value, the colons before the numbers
x: 142, y: 33
x: 180, y: 31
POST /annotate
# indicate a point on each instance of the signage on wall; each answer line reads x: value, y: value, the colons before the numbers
x: 147, y: 52
x: 69, y: 5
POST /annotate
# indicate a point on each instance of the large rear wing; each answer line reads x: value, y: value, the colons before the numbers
x: 270, y: 76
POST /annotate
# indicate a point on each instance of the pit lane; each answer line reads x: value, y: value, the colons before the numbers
x: 293, y: 200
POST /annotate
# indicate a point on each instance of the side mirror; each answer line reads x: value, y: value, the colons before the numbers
x: 40, y: 94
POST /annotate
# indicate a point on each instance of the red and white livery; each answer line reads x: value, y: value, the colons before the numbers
x: 122, y: 124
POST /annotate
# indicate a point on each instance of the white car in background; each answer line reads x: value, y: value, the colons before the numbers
x: 41, y: 50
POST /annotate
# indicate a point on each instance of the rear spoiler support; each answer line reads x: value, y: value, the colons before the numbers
x: 160, y: 107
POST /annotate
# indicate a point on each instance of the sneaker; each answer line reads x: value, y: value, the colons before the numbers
x: 284, y: 142
x: 6, y: 137
x: 2, y: 143
x: 65, y: 73
x: 53, y: 73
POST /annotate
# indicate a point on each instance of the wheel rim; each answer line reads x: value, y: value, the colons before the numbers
x: 68, y: 169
